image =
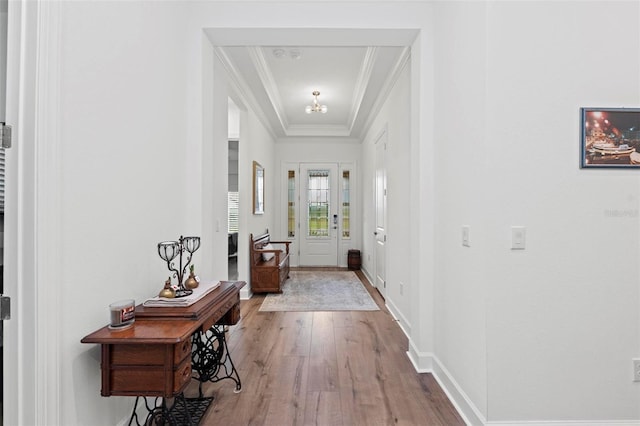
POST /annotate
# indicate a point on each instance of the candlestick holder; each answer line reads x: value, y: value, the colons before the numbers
x: 169, y: 250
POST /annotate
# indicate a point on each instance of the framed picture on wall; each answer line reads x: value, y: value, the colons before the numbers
x: 258, y: 188
x: 610, y: 137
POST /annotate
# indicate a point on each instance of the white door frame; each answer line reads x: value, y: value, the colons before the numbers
x: 380, y: 209
x: 32, y: 261
x: 345, y: 243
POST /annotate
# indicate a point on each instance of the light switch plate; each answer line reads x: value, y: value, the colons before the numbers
x: 518, y: 237
x: 636, y: 369
x: 465, y: 236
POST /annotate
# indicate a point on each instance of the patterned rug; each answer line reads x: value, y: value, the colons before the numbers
x: 320, y: 291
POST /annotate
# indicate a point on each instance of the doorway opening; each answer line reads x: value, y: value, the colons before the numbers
x: 233, y: 209
x: 319, y: 212
x: 233, y: 198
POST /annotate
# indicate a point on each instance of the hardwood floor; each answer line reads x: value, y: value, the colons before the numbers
x: 324, y: 368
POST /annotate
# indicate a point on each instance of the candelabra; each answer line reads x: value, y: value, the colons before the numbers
x: 169, y: 250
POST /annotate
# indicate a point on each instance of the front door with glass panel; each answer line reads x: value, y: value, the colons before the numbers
x: 319, y: 215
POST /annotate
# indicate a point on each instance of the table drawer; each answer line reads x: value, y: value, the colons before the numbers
x: 148, y: 380
x: 232, y: 316
x: 144, y: 354
x: 227, y: 305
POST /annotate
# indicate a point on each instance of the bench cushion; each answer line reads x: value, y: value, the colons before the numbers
x: 271, y: 263
x: 267, y: 256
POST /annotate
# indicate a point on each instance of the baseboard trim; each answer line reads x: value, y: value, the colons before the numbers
x: 367, y: 276
x: 397, y: 315
x: 466, y: 408
x: 245, y: 293
x: 427, y: 362
x: 422, y: 361
x: 566, y: 423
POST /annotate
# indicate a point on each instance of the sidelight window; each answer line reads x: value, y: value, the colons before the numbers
x: 291, y: 204
x: 346, y: 205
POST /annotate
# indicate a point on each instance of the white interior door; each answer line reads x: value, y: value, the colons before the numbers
x: 380, y: 232
x: 319, y: 214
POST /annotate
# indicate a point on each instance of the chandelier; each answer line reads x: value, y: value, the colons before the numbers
x: 316, y: 107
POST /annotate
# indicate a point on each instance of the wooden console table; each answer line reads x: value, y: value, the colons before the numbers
x: 152, y: 357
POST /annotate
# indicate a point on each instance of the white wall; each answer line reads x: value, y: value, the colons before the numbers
x: 256, y: 144
x: 463, y: 159
x: 394, y: 119
x: 208, y: 186
x: 144, y: 124
x: 318, y: 149
x: 547, y: 333
x: 122, y: 125
x: 233, y: 120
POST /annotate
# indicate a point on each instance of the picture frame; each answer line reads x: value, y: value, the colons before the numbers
x: 610, y: 137
x: 258, y: 188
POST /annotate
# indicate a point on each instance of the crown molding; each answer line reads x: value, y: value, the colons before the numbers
x: 266, y: 77
x: 317, y: 130
x: 393, y: 76
x: 242, y: 88
x: 298, y: 140
x: 277, y: 122
x: 362, y: 82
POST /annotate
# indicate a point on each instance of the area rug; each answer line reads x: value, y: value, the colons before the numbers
x: 320, y: 291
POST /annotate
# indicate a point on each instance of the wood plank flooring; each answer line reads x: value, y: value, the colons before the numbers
x: 324, y: 368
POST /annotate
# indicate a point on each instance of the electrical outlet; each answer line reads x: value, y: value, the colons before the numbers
x: 401, y: 289
x: 636, y: 369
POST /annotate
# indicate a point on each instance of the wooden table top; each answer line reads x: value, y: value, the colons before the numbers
x: 141, y: 331
x: 168, y: 325
x: 195, y: 311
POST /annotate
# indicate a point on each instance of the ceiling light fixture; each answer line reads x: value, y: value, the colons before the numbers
x: 295, y: 54
x: 279, y: 53
x: 316, y: 107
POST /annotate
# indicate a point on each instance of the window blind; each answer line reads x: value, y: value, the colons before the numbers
x: 2, y: 180
x: 233, y: 207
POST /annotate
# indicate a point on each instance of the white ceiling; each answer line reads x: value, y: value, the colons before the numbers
x: 352, y: 69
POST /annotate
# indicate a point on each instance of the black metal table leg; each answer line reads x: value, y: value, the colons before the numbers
x: 210, y: 358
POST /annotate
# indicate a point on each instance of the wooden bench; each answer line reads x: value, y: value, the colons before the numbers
x: 269, y: 264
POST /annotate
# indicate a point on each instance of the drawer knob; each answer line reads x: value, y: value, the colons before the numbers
x: 186, y: 375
